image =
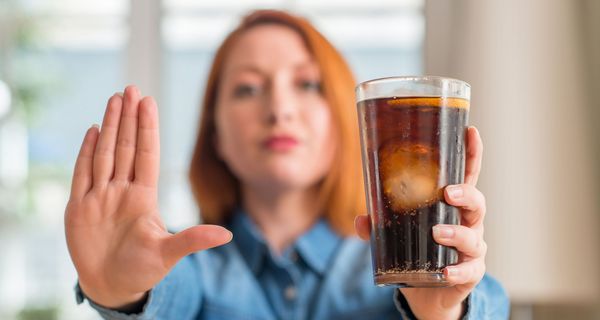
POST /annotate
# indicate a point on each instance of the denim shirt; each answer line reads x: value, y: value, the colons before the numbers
x: 320, y: 276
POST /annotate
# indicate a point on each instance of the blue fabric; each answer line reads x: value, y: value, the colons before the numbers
x: 320, y: 276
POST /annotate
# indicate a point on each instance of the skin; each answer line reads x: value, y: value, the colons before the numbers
x: 116, y: 238
x: 270, y: 87
x: 117, y: 241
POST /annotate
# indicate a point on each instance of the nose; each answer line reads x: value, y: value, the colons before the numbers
x: 280, y: 104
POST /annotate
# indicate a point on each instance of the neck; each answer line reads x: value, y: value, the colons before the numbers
x: 284, y: 216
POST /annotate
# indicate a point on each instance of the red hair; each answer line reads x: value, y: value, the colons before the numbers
x: 341, y: 193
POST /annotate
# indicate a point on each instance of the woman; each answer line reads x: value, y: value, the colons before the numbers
x: 276, y: 162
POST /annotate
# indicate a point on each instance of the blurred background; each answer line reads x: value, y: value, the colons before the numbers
x: 534, y: 67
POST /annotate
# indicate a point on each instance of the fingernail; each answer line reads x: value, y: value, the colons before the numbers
x: 455, y: 191
x: 452, y: 272
x: 95, y: 125
x: 443, y: 232
x: 120, y: 94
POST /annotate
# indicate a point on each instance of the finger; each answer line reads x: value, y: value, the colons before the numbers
x: 193, y: 239
x: 362, y: 226
x: 104, y: 157
x: 468, y: 272
x: 467, y: 241
x: 82, y: 174
x: 474, y: 155
x: 147, y: 155
x: 126, y: 140
x: 470, y: 200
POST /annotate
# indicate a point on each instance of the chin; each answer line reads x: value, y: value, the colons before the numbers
x: 290, y: 178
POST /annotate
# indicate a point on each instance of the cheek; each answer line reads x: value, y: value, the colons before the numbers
x: 234, y: 133
x: 324, y: 137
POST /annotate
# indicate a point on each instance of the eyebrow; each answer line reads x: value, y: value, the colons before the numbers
x: 311, y: 64
x: 245, y: 68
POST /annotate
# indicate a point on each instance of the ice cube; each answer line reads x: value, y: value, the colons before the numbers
x: 409, y: 174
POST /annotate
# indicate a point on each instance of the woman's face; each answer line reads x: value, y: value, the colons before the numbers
x: 274, y: 128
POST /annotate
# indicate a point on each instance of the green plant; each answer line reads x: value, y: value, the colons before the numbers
x: 39, y: 313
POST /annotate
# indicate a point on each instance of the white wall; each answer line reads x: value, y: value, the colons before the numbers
x: 528, y: 63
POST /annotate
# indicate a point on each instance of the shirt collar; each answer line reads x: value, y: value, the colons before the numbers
x: 316, y: 247
x: 249, y: 240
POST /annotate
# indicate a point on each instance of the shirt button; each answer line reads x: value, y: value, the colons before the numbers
x: 290, y: 292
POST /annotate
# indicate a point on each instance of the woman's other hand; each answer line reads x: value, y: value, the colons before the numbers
x: 467, y: 238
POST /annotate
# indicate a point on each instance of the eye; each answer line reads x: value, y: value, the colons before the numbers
x: 308, y: 85
x: 245, y: 90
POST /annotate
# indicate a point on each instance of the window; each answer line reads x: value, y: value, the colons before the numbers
x: 378, y: 38
x: 62, y: 59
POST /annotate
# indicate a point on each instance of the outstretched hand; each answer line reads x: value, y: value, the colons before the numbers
x: 116, y: 238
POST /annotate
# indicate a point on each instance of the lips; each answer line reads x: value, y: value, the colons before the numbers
x: 280, y: 143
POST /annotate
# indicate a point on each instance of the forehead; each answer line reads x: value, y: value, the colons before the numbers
x: 268, y: 47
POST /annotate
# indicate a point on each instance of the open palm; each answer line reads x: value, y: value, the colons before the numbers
x: 117, y: 241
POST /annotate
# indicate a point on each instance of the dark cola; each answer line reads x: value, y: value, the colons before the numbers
x: 415, y: 147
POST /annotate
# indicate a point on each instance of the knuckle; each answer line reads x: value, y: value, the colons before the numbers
x: 482, y: 205
x: 479, y: 271
x: 483, y: 247
x: 124, y: 142
x: 482, y: 200
x: 146, y: 152
x: 479, y: 245
x: 104, y: 150
x: 476, y: 199
x: 476, y: 272
x: 80, y: 173
x: 474, y: 268
x: 466, y: 272
x: 482, y: 268
x: 463, y: 238
x: 470, y: 190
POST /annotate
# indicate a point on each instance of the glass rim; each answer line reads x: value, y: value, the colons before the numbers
x: 408, y: 78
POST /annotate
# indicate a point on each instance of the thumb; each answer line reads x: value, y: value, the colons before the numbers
x: 362, y: 225
x: 196, y: 238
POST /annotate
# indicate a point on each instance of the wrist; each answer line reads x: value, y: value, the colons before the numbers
x: 452, y: 313
x: 111, y: 300
x: 427, y: 309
